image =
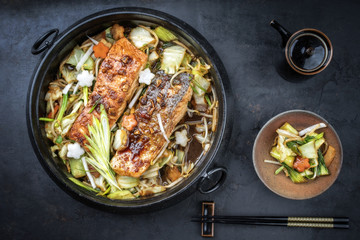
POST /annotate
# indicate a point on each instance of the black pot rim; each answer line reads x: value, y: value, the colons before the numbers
x: 224, y: 134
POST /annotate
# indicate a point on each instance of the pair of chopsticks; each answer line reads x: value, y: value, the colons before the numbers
x: 314, y: 222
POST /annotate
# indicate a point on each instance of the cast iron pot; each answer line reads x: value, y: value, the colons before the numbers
x: 61, y: 45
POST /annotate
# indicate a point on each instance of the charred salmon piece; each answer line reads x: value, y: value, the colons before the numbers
x: 146, y: 140
x: 116, y: 83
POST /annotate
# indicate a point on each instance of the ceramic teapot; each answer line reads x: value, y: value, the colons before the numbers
x: 307, y: 51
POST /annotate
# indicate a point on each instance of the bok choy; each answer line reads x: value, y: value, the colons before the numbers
x: 300, y: 153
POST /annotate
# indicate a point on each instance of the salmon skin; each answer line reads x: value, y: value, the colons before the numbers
x: 116, y: 82
x: 146, y: 140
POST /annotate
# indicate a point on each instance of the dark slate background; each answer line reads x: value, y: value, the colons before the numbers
x: 33, y: 207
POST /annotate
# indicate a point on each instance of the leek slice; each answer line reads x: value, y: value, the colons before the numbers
x: 122, y: 194
x: 164, y: 34
x: 286, y: 126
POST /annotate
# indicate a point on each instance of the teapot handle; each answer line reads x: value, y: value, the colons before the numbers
x: 285, y: 34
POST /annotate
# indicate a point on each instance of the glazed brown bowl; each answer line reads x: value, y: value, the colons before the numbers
x: 280, y: 184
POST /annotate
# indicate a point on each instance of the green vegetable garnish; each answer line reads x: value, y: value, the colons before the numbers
x: 46, y: 119
x: 59, y: 139
x: 81, y: 184
x: 293, y: 146
x: 279, y: 170
x: 99, y: 147
x: 94, y: 106
x: 294, y: 175
x: 321, y: 168
x: 86, y: 93
x: 164, y: 34
x: 62, y: 109
x: 207, y: 99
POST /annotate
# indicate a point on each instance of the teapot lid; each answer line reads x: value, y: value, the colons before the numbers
x: 308, y: 51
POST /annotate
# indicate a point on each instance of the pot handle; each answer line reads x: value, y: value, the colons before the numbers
x: 216, y: 184
x: 285, y: 34
x: 37, y: 48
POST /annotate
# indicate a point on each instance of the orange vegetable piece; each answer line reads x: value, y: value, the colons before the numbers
x: 52, y: 114
x: 301, y: 164
x: 100, y: 50
x: 129, y: 122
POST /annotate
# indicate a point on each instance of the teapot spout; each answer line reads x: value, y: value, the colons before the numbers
x: 285, y: 34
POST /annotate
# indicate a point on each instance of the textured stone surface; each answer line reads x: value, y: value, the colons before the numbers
x: 33, y: 207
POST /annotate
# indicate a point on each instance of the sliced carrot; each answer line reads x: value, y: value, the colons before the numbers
x: 301, y: 164
x: 53, y: 113
x: 100, y: 50
x: 129, y: 122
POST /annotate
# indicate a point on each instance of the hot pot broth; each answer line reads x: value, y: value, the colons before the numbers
x: 169, y: 60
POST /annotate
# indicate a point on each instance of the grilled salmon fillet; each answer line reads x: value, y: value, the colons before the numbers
x: 146, y: 140
x: 116, y: 83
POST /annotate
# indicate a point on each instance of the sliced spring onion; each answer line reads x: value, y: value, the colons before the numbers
x: 84, y: 58
x: 164, y: 34
x: 80, y: 184
x: 162, y: 127
x: 46, y: 119
x: 86, y: 93
x: 273, y: 162
x: 59, y: 139
x: 88, y: 174
x: 312, y: 128
x: 67, y: 88
x: 279, y: 170
x: 136, y: 97
x: 94, y: 106
x: 99, y: 148
x: 76, y: 88
x: 93, y: 40
x: 208, y: 100
x: 63, y: 107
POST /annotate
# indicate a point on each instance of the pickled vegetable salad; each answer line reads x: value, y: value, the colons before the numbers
x: 302, y: 155
x: 69, y: 94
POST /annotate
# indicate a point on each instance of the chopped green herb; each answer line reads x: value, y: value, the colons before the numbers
x: 199, y: 86
x: 207, y: 99
x: 194, y: 89
x: 279, y: 170
x: 46, y: 119
x: 63, y: 107
x: 59, y: 139
x: 94, y: 106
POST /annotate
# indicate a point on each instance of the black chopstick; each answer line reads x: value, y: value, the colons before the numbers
x: 280, y: 219
x: 318, y: 222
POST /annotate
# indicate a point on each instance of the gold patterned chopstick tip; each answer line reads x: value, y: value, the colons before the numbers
x: 311, y: 219
x: 312, y: 225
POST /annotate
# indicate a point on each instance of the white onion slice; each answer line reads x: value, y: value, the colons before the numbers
x: 67, y: 88
x: 135, y: 98
x: 286, y: 133
x: 88, y: 173
x: 311, y: 128
x: 93, y: 40
x: 84, y: 58
x: 76, y: 88
x: 162, y: 127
